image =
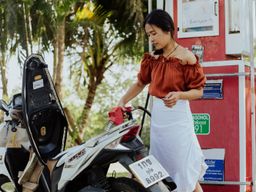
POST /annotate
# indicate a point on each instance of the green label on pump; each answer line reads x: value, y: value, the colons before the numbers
x: 201, y: 123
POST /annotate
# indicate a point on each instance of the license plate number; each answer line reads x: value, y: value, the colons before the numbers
x: 148, y: 171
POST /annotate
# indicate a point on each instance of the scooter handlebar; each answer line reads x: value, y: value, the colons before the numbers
x: 118, y: 114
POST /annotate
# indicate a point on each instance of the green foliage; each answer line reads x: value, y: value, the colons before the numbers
x: 42, y: 15
x: 112, y: 35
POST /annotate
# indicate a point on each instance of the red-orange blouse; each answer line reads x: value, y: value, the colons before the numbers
x: 168, y: 74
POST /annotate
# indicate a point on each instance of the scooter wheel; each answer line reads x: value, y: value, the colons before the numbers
x: 123, y: 184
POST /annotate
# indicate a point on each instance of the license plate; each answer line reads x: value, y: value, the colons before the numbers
x: 148, y: 171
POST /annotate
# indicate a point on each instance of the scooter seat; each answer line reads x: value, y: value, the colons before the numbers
x: 44, y: 115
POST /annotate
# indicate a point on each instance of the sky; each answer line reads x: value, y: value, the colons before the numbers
x: 14, y: 73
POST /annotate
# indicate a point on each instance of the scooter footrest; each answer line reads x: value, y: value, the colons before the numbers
x: 28, y: 171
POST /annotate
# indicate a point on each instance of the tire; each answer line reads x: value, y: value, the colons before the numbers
x: 123, y: 184
x: 91, y: 189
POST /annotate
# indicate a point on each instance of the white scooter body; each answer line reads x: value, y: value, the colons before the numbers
x: 78, y: 158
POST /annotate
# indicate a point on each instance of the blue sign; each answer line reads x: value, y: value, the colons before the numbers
x: 215, y: 171
x: 213, y: 89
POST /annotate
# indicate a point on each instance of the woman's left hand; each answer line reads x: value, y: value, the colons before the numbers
x: 171, y: 99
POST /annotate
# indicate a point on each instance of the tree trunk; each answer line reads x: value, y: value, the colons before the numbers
x: 71, y: 128
x: 60, y: 56
x: 77, y: 132
x: 28, y: 41
x: 92, y: 87
x: 3, y: 46
x: 55, y: 57
x: 29, y: 30
x: 95, y: 81
x: 3, y: 77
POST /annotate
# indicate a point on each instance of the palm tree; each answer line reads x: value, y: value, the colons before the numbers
x: 9, y: 38
x: 61, y: 10
x: 103, y: 42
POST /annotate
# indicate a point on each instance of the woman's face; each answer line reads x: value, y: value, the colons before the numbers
x: 157, y: 36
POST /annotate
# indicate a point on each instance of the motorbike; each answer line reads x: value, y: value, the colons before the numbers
x: 14, y: 142
x: 82, y: 168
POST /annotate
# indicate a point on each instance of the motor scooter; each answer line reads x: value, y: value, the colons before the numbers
x: 14, y: 142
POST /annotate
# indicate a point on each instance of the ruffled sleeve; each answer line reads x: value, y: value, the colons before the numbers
x: 194, y: 76
x: 144, y: 75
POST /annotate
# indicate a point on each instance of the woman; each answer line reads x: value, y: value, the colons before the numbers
x: 174, y: 76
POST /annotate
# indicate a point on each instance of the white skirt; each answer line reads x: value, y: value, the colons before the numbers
x: 174, y: 143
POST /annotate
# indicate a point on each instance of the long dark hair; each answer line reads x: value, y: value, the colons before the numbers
x: 161, y: 19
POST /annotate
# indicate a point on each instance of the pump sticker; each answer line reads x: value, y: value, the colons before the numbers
x: 38, y: 84
x: 201, y: 123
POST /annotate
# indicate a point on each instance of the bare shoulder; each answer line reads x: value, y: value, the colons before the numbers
x: 190, y: 57
x: 187, y: 57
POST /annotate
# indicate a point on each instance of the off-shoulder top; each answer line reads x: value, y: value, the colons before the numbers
x: 168, y: 74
